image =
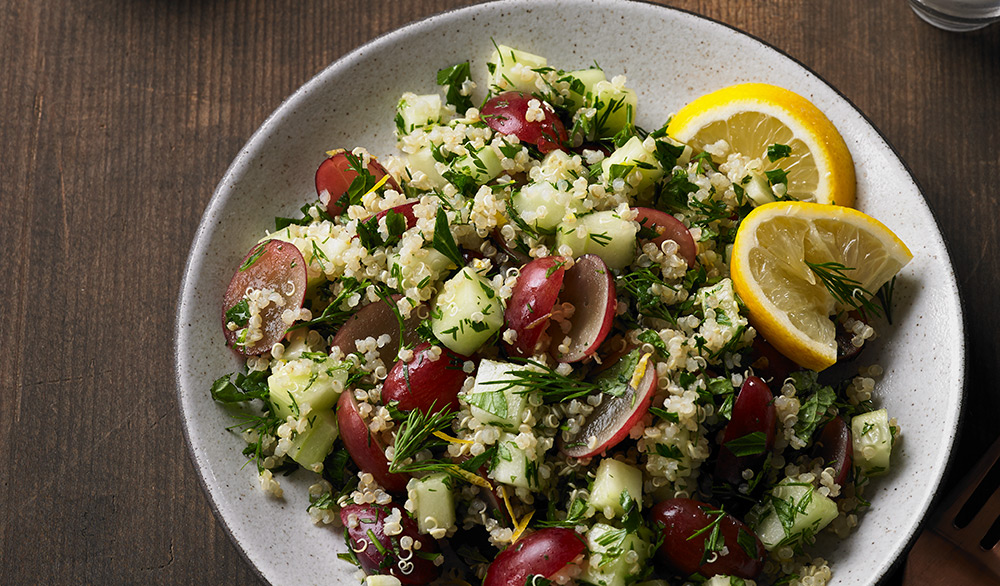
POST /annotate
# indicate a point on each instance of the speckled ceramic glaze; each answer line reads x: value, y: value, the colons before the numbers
x: 670, y: 57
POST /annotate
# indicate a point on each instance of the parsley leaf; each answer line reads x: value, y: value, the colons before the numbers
x: 443, y: 241
x: 751, y: 444
x: 778, y: 151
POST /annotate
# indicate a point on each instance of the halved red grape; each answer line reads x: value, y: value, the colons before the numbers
x: 609, y: 423
x: 835, y: 447
x: 426, y: 382
x: 589, y: 287
x: 507, y: 113
x: 374, y: 320
x: 750, y: 431
x: 335, y: 174
x: 769, y: 364
x: 379, y: 552
x: 364, y: 447
x: 530, y: 307
x: 668, y: 227
x: 543, y: 553
x: 687, y: 527
x: 275, y: 265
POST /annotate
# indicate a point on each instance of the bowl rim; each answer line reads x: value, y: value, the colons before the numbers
x: 288, y: 103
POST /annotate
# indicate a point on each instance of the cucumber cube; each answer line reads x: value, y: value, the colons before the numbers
x: 758, y: 189
x: 415, y: 111
x: 423, y: 161
x: 301, y: 382
x: 794, y: 511
x: 433, y: 503
x: 605, y: 234
x: 615, y: 106
x: 610, y: 562
x: 513, y: 466
x: 482, y: 165
x: 628, y: 158
x: 543, y: 206
x: 466, y: 312
x: 872, y: 441
x: 511, y: 69
x: 312, y: 446
x: 614, y: 478
x: 382, y: 580
x: 491, y: 402
x: 581, y: 84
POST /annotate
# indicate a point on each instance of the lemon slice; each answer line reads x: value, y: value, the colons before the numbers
x: 789, y: 304
x: 753, y: 116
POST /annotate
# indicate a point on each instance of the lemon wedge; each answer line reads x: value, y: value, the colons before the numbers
x: 752, y: 117
x: 789, y: 303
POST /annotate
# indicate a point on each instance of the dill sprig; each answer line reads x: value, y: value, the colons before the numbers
x: 416, y: 433
x: 844, y: 289
x: 334, y: 315
x: 552, y: 386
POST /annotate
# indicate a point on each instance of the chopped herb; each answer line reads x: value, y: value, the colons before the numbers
x: 454, y: 78
x: 444, y: 242
x: 778, y: 151
x: 751, y: 444
x: 239, y: 314
x: 254, y: 256
x: 776, y: 176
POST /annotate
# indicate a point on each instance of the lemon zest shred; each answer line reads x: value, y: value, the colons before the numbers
x: 450, y: 438
x: 520, y: 527
x: 506, y: 501
x: 471, y: 477
x: 640, y: 370
x: 380, y: 183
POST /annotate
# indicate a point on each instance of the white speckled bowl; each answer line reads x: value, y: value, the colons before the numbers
x: 670, y: 57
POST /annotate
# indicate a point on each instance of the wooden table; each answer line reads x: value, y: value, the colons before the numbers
x: 118, y: 119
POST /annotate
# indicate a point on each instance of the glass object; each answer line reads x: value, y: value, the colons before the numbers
x: 957, y: 15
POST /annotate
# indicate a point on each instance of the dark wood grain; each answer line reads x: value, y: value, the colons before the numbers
x: 119, y: 117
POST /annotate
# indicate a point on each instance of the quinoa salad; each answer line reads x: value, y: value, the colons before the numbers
x: 513, y: 354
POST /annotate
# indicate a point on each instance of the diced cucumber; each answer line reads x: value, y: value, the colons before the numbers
x: 426, y: 265
x: 609, y: 563
x: 725, y: 581
x: 433, y: 502
x: 382, y: 580
x: 758, y: 189
x: 493, y: 399
x: 301, y: 382
x: 513, y: 466
x: 581, y: 84
x: 312, y: 446
x: 793, y: 511
x: 558, y: 166
x: 628, y: 158
x: 543, y: 206
x: 466, y: 312
x: 615, y: 106
x: 415, y: 111
x: 872, y: 441
x: 511, y: 69
x: 424, y: 161
x: 482, y: 165
x: 605, y: 234
x: 613, y: 478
